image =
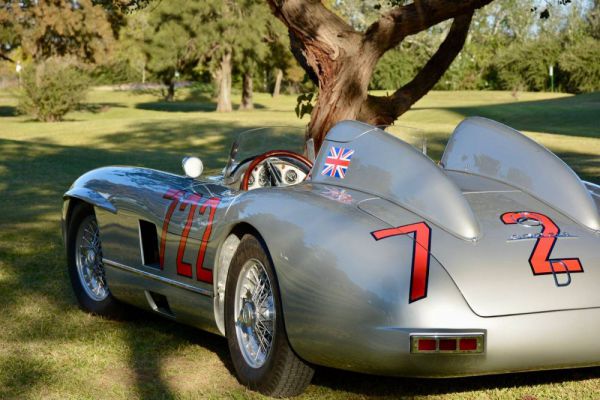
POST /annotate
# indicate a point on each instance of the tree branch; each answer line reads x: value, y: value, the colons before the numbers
x: 385, y: 109
x: 392, y: 27
x: 308, y: 17
x: 7, y: 58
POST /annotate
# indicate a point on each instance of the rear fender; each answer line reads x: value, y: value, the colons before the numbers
x: 340, y: 288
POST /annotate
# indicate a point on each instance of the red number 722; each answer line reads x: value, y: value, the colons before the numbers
x: 194, y: 201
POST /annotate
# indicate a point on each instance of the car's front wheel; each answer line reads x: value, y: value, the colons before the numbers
x: 86, y: 270
x: 260, y: 351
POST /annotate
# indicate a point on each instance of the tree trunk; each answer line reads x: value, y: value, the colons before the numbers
x: 170, y: 90
x: 278, y: 79
x: 247, y: 92
x: 223, y: 76
x: 343, y: 84
x: 341, y: 60
x: 340, y: 99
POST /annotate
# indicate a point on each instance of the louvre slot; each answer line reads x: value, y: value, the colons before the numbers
x: 149, y: 244
x: 159, y: 303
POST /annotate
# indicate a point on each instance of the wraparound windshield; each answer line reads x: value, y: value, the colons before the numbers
x: 254, y: 142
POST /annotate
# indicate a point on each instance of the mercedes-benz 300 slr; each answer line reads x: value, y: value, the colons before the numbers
x: 368, y: 257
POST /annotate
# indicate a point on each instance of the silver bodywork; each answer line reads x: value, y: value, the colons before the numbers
x: 347, y: 297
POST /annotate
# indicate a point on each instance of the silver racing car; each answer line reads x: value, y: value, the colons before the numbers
x: 367, y: 257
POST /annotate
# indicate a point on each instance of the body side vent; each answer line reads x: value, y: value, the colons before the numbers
x: 149, y: 244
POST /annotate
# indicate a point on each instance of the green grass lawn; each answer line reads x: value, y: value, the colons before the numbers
x: 50, y: 349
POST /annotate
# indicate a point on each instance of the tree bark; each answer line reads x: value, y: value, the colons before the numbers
x: 247, y: 92
x: 278, y: 79
x: 223, y: 76
x: 340, y: 60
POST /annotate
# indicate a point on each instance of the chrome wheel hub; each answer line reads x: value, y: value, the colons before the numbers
x: 255, y: 311
x: 247, y: 316
x: 88, y: 258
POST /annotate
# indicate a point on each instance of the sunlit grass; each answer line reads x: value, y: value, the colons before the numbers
x: 50, y: 349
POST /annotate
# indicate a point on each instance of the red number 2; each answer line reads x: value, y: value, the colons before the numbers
x: 419, y: 275
x: 540, y: 261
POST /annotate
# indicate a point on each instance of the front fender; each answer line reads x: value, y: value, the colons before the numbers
x: 91, y: 197
x: 87, y: 195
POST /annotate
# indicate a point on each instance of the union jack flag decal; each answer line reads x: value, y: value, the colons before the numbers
x: 337, y: 162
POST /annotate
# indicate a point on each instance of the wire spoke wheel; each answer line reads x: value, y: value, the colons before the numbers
x: 254, y: 309
x: 88, y: 259
x: 260, y: 351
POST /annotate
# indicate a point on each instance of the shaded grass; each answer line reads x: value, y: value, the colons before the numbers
x: 50, y: 349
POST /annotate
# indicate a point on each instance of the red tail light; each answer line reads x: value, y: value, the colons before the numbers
x: 467, y: 344
x: 427, y: 345
x: 446, y: 344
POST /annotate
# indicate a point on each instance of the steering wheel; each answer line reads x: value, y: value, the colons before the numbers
x: 264, y: 158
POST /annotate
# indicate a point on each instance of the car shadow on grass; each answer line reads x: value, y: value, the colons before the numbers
x: 378, y: 386
x: 147, y: 357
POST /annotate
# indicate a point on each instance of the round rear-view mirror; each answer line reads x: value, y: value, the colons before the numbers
x: 192, y: 166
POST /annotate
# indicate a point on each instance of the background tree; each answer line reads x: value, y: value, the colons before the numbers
x: 173, y: 41
x: 578, y: 60
x: 48, y: 28
x: 59, y: 37
x: 131, y: 38
x: 241, y: 35
x: 251, y: 47
x: 594, y: 19
x: 9, y: 38
x: 279, y: 61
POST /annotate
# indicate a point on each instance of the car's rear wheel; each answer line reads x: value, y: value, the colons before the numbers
x: 260, y: 351
x: 86, y: 270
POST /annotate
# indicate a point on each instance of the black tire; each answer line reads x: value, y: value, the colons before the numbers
x: 283, y: 373
x: 81, y: 215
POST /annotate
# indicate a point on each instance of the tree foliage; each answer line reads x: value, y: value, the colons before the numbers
x: 508, y: 48
x: 170, y: 38
x: 581, y: 66
x: 84, y: 29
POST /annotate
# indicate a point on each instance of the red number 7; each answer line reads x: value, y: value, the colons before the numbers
x: 419, y: 275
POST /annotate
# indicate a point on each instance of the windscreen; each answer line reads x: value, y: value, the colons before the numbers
x: 254, y: 142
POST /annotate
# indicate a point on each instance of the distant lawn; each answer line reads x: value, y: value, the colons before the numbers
x: 50, y: 349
